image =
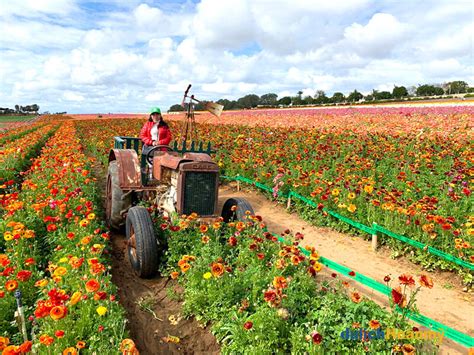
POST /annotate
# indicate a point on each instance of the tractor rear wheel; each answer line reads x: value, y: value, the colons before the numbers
x: 230, y: 213
x: 117, y: 202
x: 141, y: 242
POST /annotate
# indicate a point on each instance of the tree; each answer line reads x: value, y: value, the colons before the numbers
x: 17, y: 108
x: 369, y: 97
x: 338, y: 97
x: 382, y: 95
x: 35, y: 108
x: 248, y: 101
x: 354, y: 96
x: 176, y: 108
x: 428, y: 90
x: 456, y: 87
x: 308, y: 100
x: 320, y: 97
x: 284, y: 101
x: 268, y: 99
x: 399, y: 91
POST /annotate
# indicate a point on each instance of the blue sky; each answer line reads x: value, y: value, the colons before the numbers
x: 126, y: 56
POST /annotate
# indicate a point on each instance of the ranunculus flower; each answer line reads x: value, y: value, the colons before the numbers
x: 58, y: 312
x: 101, y: 310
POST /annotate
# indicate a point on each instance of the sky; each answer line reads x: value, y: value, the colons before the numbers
x: 97, y: 56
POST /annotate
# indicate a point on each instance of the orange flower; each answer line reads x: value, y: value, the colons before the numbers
x: 92, y: 285
x: 217, y: 269
x: 46, y: 339
x: 408, y: 349
x: 128, y: 347
x: 279, y: 282
x: 76, y: 262
x: 11, y: 285
x: 25, y: 347
x: 374, y: 324
x: 426, y: 281
x: 356, y: 297
x: 174, y: 275
x: 76, y: 297
x: 11, y: 350
x: 406, y: 279
x: 205, y: 239
x: 185, y: 267
x: 58, y: 312
x: 203, y: 228
x: 70, y: 351
x: 4, y: 341
x: 81, y: 344
x: 352, y: 208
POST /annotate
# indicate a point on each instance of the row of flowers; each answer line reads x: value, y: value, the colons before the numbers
x: 265, y: 296
x: 16, y: 153
x: 15, y: 133
x: 55, y: 252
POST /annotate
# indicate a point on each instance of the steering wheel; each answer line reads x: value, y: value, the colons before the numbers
x: 149, y: 157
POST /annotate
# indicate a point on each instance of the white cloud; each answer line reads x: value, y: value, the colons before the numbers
x: 376, y: 39
x: 126, y: 55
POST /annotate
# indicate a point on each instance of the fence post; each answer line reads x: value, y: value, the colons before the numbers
x: 374, y: 237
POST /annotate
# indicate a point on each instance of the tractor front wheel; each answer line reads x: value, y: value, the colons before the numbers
x: 142, y: 244
x: 236, y: 209
x: 117, y: 201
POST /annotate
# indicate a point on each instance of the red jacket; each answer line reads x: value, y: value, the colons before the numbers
x: 164, y: 134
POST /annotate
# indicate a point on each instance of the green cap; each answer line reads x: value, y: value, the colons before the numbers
x: 155, y: 110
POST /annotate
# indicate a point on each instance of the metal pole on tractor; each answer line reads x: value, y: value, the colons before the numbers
x: 189, y: 131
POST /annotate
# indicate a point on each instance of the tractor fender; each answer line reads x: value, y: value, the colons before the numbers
x: 128, y: 167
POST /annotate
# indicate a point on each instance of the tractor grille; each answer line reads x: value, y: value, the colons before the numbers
x: 199, y: 193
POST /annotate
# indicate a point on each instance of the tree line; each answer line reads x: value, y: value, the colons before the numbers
x: 320, y: 98
x: 20, y: 110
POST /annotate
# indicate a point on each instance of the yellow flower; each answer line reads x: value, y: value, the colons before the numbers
x: 368, y: 189
x: 352, y: 208
x: 101, y: 310
x: 207, y: 275
x: 317, y: 267
x: 7, y: 236
x: 90, y: 216
x: 41, y: 283
x: 335, y: 192
x: 351, y: 196
x: 60, y: 271
x: 63, y: 260
x: 84, y: 223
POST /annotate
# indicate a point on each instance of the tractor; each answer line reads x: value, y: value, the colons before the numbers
x: 180, y: 180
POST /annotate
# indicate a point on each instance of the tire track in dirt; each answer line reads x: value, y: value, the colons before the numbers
x: 452, y: 307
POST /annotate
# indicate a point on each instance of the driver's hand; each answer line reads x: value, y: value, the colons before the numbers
x: 155, y: 143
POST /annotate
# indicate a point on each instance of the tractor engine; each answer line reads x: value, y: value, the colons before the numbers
x: 190, y: 183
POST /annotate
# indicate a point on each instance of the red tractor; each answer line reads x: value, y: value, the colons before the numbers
x: 179, y: 181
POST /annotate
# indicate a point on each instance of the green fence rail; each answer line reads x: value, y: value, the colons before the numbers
x: 374, y: 229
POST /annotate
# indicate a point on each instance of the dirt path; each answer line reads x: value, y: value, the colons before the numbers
x: 141, y: 297
x: 445, y: 302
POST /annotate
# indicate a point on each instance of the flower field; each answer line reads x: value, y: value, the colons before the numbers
x: 54, y: 250
x: 407, y: 169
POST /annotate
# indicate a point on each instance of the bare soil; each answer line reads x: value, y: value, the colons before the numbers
x: 142, y: 297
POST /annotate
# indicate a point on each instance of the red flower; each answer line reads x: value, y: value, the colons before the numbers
x: 232, y: 241
x: 398, y: 298
x: 317, y: 338
x: 59, y: 333
x: 406, y: 279
x: 248, y: 325
x: 352, y: 273
x: 387, y: 278
x: 23, y: 275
